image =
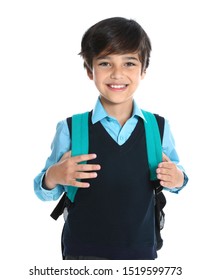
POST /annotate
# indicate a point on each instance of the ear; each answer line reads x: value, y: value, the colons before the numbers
x: 89, y: 73
x: 143, y: 74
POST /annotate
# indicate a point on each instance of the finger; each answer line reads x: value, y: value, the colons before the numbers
x: 164, y: 177
x: 165, y: 158
x: 88, y: 167
x: 164, y: 170
x: 85, y: 175
x: 82, y: 158
x: 66, y: 155
x: 166, y: 165
x: 167, y: 184
x: 79, y: 184
x: 165, y: 180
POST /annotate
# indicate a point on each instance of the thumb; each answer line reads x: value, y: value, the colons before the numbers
x: 165, y: 158
x: 66, y: 155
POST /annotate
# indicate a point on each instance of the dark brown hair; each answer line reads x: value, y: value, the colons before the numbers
x: 115, y: 35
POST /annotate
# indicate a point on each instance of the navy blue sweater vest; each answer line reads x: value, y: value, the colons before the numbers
x: 114, y: 217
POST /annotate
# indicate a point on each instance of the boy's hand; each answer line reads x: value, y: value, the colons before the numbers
x: 68, y: 170
x: 169, y: 174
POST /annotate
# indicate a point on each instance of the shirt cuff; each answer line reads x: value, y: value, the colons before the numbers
x: 44, y: 186
x: 49, y: 194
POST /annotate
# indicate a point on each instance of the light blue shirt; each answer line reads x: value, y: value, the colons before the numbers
x: 62, y: 143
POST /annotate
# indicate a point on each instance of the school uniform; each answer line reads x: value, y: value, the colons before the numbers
x: 114, y: 218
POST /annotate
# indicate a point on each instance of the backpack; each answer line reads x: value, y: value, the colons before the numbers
x: 80, y: 145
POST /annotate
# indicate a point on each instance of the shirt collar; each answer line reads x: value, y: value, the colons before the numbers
x: 100, y: 113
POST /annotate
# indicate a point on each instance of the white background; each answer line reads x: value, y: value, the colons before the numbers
x: 42, y: 81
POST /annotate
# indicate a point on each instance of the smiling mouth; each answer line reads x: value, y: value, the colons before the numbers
x: 123, y: 86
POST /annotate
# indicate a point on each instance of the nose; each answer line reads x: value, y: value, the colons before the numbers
x: 116, y: 73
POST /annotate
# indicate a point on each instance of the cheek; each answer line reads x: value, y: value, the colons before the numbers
x: 97, y: 77
x: 135, y: 75
x: 137, y: 78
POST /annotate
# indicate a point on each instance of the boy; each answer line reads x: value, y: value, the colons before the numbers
x: 113, y: 213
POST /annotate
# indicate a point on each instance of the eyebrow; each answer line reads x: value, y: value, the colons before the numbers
x: 124, y: 58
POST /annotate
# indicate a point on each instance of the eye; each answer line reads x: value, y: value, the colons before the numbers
x: 129, y: 64
x: 104, y: 64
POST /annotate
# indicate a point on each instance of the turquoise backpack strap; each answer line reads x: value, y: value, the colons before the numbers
x: 153, y: 141
x: 80, y: 142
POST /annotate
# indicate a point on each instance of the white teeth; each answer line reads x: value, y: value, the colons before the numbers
x: 117, y: 86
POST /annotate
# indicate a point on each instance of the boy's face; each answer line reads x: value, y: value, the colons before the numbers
x: 116, y: 76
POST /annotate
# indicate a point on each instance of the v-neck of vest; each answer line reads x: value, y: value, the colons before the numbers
x: 112, y: 142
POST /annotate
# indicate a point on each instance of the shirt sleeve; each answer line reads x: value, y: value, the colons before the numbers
x: 60, y: 145
x: 168, y: 146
